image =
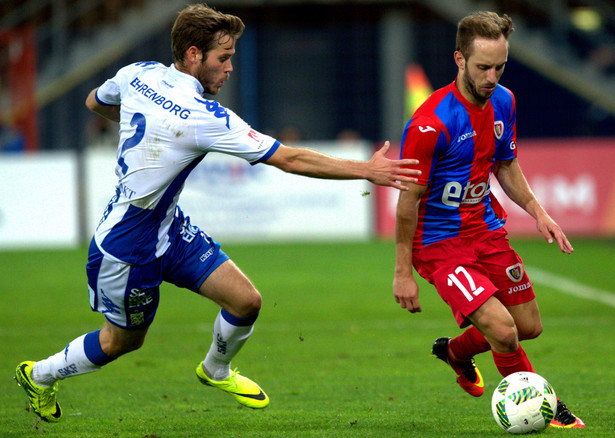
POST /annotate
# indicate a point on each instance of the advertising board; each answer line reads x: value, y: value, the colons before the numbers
x: 38, y: 200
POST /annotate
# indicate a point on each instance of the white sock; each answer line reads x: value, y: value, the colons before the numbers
x: 82, y: 355
x: 229, y: 335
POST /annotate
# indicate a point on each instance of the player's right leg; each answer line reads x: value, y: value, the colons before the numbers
x: 40, y: 379
x: 86, y: 354
x: 42, y: 398
x: 498, y: 327
x: 468, y: 375
x: 111, y: 285
x: 459, y: 354
x: 493, y: 328
x: 452, y: 267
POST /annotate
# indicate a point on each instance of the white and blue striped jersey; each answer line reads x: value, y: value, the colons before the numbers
x: 166, y: 129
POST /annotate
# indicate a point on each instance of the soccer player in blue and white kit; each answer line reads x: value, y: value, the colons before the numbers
x: 166, y: 128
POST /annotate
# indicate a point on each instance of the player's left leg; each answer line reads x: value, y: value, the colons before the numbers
x: 498, y: 327
x: 565, y: 419
x: 240, y: 302
x: 512, y: 314
x: 527, y: 319
x: 196, y: 262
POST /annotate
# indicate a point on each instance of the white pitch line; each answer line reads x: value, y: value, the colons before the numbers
x: 570, y: 287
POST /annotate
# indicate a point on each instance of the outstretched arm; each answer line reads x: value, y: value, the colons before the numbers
x: 379, y: 169
x: 111, y: 112
x: 516, y: 187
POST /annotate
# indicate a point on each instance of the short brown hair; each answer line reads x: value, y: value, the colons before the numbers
x: 201, y: 26
x: 481, y: 24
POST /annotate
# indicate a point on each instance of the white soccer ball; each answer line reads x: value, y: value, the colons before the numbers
x: 523, y: 403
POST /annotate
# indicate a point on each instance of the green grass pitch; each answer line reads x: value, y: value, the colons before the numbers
x: 333, y: 350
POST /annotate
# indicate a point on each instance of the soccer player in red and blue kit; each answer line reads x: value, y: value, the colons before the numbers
x: 450, y: 228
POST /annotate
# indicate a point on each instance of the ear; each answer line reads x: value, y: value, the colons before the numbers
x: 460, y: 60
x: 193, y: 55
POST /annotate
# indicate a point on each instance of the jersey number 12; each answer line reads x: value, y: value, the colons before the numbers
x: 452, y: 278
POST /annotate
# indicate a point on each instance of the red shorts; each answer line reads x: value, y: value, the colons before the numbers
x: 467, y: 270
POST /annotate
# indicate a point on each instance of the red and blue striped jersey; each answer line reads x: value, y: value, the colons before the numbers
x: 457, y: 144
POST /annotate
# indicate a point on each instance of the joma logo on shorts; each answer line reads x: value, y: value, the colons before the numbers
x: 521, y: 287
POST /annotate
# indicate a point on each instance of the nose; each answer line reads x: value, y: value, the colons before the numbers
x: 492, y: 76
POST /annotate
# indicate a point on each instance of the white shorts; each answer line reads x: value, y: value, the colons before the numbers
x: 128, y: 295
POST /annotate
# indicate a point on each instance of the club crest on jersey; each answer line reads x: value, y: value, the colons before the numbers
x: 498, y: 129
x: 515, y: 272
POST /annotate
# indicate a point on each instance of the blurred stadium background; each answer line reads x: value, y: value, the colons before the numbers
x: 342, y: 76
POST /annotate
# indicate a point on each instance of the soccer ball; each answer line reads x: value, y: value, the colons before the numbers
x: 523, y: 403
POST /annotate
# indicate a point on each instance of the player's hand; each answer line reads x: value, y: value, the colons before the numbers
x: 406, y: 293
x: 385, y: 172
x: 551, y: 231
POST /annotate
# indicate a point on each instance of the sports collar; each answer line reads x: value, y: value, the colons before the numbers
x: 185, y: 79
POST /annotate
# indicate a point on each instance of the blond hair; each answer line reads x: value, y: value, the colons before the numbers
x: 483, y: 24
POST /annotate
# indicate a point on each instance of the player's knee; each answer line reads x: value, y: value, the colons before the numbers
x: 505, y: 339
x: 117, y: 349
x: 530, y: 332
x: 250, y: 305
x: 118, y: 344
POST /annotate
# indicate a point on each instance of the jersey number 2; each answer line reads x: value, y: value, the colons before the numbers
x: 453, y: 279
x: 137, y: 120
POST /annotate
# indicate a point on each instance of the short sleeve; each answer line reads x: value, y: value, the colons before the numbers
x: 419, y: 142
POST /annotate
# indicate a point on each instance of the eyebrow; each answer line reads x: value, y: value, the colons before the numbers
x: 485, y: 64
